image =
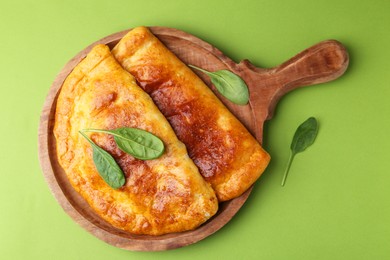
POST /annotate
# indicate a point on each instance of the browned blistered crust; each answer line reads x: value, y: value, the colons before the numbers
x: 160, y: 196
x: 225, y: 152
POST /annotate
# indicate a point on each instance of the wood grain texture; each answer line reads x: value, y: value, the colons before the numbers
x: 320, y: 63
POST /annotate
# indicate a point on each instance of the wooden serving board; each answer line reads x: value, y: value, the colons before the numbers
x: 320, y: 63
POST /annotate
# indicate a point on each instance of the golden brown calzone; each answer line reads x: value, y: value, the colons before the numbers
x: 160, y: 196
x: 227, y: 155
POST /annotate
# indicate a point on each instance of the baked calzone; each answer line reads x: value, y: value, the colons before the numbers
x: 227, y: 155
x: 160, y: 196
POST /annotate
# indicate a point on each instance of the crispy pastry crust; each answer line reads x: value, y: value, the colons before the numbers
x: 227, y: 155
x: 160, y: 196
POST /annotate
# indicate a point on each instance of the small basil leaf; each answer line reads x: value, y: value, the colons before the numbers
x: 106, y: 165
x: 139, y: 143
x: 230, y: 85
x: 304, y: 137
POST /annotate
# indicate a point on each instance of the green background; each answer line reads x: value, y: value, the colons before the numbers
x: 336, y: 202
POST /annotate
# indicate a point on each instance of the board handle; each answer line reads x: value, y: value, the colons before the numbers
x: 320, y: 63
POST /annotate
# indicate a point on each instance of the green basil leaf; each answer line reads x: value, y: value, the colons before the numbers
x: 139, y: 143
x: 106, y: 165
x: 304, y: 137
x: 230, y: 85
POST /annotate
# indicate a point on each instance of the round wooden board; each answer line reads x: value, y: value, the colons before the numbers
x: 320, y: 63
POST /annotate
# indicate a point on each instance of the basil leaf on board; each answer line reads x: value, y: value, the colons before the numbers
x: 139, y: 143
x: 304, y: 137
x: 106, y: 165
x: 230, y: 85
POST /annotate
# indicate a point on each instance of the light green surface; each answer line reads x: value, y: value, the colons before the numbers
x: 336, y: 202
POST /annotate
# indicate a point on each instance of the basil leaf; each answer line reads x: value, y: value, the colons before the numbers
x: 304, y: 137
x: 106, y: 165
x: 139, y: 143
x: 230, y: 85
